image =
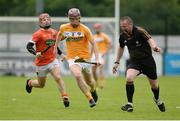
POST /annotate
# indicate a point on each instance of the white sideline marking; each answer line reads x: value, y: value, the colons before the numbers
x: 178, y: 107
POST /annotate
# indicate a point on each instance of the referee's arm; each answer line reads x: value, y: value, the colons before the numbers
x: 154, y: 45
x: 119, y: 54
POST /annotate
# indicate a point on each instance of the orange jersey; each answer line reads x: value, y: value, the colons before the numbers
x: 41, y: 37
x: 77, y: 40
x: 102, y: 41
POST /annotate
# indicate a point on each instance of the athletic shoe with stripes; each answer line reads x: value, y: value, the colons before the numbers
x: 160, y: 105
x: 92, y: 103
x: 128, y: 107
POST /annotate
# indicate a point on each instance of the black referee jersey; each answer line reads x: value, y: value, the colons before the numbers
x: 137, y: 43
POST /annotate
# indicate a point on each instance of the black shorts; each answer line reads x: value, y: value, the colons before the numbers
x: 147, y: 66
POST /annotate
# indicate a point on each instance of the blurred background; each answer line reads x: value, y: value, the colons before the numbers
x: 18, y: 21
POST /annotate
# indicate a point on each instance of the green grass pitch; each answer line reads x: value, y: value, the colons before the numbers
x: 16, y: 104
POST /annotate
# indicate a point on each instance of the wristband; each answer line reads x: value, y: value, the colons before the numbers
x: 59, y: 51
x: 116, y: 62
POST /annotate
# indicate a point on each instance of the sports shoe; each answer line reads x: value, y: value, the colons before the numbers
x: 127, y: 107
x: 160, y: 105
x: 28, y: 88
x: 94, y: 95
x: 92, y: 103
x: 66, y: 101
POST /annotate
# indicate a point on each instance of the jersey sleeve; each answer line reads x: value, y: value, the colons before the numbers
x: 121, y: 41
x: 35, y: 37
x: 61, y: 28
x: 61, y: 31
x: 144, y: 34
x: 89, y: 34
x: 55, y: 32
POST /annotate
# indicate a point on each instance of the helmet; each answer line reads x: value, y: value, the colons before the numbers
x: 74, y: 12
x: 44, y: 20
x: 74, y: 16
x: 97, y: 26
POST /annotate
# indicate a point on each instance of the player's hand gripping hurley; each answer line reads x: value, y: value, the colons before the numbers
x: 49, y: 44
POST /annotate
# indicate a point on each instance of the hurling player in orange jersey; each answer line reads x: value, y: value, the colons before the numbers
x: 45, y: 61
x: 78, y: 37
x: 104, y: 45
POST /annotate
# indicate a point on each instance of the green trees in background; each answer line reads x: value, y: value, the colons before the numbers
x: 17, y: 8
x: 156, y: 16
x: 90, y: 8
x: 159, y: 17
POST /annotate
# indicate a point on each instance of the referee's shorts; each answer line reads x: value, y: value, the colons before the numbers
x: 147, y: 66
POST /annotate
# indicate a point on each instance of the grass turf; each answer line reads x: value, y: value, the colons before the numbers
x: 46, y: 103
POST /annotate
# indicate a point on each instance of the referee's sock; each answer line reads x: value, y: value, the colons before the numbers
x: 156, y: 93
x: 130, y: 92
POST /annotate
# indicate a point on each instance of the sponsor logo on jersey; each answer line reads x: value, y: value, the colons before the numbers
x: 73, y: 36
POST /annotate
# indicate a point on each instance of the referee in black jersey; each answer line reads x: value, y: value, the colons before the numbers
x: 139, y: 44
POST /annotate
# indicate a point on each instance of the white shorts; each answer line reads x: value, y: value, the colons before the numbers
x: 101, y: 59
x: 42, y: 71
x: 84, y: 66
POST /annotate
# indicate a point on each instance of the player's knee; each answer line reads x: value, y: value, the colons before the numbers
x: 129, y: 78
x: 78, y: 76
x: 58, y: 78
x: 154, y: 84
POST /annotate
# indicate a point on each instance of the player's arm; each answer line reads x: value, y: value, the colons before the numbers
x: 154, y: 45
x: 150, y: 40
x: 91, y: 50
x: 59, y: 51
x: 30, y: 48
x: 58, y: 38
x: 63, y: 57
x: 91, y: 40
x: 95, y: 50
x: 118, y: 57
x: 108, y: 45
x: 119, y: 54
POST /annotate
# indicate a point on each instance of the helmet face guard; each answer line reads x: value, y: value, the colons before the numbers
x: 45, y: 20
x: 74, y: 16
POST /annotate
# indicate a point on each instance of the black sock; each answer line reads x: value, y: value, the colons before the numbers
x: 156, y: 93
x: 130, y: 92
